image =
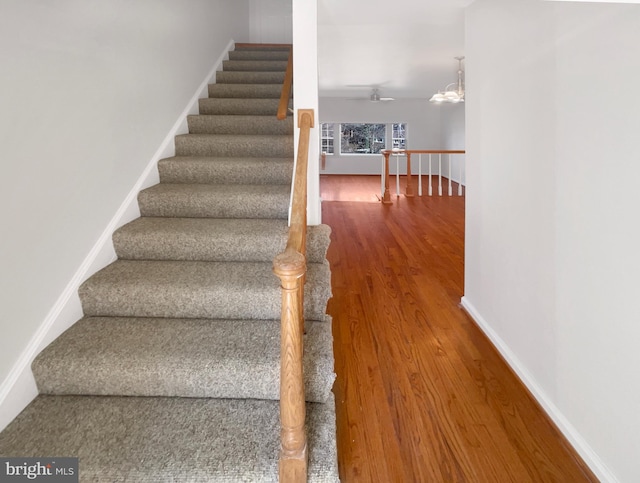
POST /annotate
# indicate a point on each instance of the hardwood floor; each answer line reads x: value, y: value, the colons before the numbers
x: 421, y: 394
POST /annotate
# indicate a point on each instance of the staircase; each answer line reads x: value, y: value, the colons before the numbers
x: 173, y: 372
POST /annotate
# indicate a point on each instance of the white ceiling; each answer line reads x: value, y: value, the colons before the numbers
x: 407, y: 47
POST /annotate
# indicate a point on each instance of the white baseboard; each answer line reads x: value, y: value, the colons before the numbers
x: 19, y: 387
x: 568, y: 430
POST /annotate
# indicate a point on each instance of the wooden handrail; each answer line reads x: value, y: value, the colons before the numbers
x: 386, y: 196
x: 285, y: 94
x: 290, y: 266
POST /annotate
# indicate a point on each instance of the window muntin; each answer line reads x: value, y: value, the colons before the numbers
x: 326, y: 138
x: 399, y: 136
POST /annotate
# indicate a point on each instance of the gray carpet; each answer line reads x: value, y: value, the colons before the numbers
x: 173, y: 372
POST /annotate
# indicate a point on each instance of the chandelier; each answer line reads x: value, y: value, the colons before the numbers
x: 454, y: 92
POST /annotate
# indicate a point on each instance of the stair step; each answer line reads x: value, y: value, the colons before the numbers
x: 258, y: 145
x: 222, y: 170
x: 207, y: 290
x: 228, y: 359
x: 211, y: 239
x: 245, y: 91
x: 240, y: 77
x: 215, y: 201
x: 255, y: 65
x: 258, y: 54
x: 168, y: 439
x: 251, y: 107
x: 209, y: 124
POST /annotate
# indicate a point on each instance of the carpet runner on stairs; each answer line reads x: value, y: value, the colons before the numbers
x: 173, y: 373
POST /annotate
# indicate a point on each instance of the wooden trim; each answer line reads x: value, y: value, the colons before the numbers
x: 423, y: 151
x: 290, y: 266
x: 285, y: 94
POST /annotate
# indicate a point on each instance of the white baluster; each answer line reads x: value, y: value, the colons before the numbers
x: 430, y: 187
x: 419, y: 174
x: 440, y: 174
x: 450, y: 188
x: 397, y: 175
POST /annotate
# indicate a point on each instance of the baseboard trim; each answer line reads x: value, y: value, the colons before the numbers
x: 591, y: 459
x: 19, y: 387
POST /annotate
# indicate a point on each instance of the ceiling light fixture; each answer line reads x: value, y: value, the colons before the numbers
x: 450, y: 94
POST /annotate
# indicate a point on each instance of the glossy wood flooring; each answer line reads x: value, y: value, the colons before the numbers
x: 421, y: 395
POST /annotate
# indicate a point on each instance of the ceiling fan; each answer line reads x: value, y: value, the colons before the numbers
x: 374, y: 97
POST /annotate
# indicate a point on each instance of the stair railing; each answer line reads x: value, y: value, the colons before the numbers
x: 290, y: 266
x: 285, y: 94
x: 386, y: 195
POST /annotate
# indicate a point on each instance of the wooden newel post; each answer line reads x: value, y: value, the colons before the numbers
x: 290, y: 267
x: 386, y: 197
x: 409, y: 191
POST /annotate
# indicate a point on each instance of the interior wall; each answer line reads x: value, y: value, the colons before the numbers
x: 453, y: 138
x: 423, y: 128
x: 89, y: 91
x: 551, y: 258
x: 271, y: 21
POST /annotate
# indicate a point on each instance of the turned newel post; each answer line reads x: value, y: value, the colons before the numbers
x: 386, y: 197
x: 409, y: 191
x: 290, y: 267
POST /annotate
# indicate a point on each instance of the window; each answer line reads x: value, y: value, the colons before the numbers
x: 399, y: 136
x: 362, y: 138
x: 327, y: 138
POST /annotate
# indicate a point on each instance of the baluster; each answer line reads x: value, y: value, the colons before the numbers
x: 440, y: 174
x: 397, y: 175
x: 419, y: 174
x: 409, y: 190
x: 450, y: 188
x: 430, y: 186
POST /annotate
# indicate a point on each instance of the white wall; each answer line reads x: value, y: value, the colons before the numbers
x: 453, y: 138
x: 271, y: 21
x: 88, y: 92
x: 551, y: 267
x: 423, y: 128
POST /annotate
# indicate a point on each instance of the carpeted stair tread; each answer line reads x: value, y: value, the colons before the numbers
x: 208, y: 290
x: 230, y: 359
x: 254, y: 65
x: 252, y: 107
x: 258, y: 54
x: 212, y: 239
x: 241, y: 145
x: 225, y: 170
x: 248, y: 77
x: 215, y: 201
x: 151, y: 440
x: 253, y: 91
x: 209, y: 124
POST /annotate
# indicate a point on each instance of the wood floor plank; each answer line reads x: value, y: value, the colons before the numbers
x: 422, y: 395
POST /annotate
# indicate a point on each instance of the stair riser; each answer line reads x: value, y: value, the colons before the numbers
x: 264, y: 125
x: 211, y: 240
x: 199, y: 294
x: 255, y: 65
x: 216, y: 170
x: 245, y: 91
x: 213, y: 205
x: 218, y: 145
x: 218, y: 358
x: 240, y: 77
x: 240, y: 107
x: 259, y: 55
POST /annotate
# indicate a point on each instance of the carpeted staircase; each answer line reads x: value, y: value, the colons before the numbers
x: 173, y: 373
